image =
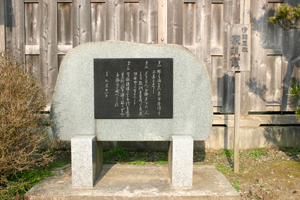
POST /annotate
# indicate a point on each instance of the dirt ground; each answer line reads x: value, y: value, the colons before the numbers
x: 264, y: 173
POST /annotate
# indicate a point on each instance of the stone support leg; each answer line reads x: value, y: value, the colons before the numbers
x: 87, y: 160
x: 180, y: 160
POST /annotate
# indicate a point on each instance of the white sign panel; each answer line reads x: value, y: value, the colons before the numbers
x: 239, y: 48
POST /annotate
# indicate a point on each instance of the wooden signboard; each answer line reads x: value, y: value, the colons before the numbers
x: 239, y: 48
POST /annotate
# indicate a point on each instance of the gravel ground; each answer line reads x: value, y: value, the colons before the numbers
x: 264, y: 173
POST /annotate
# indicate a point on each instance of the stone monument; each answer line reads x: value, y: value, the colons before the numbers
x: 119, y: 91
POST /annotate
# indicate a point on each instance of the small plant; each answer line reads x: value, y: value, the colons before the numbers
x: 21, y: 123
x: 161, y: 161
x: 257, y: 152
x: 143, y: 155
x: 140, y: 162
x: 117, y: 152
x: 294, y: 93
x: 224, y: 170
x: 226, y: 152
x: 291, y: 150
x: 235, y: 184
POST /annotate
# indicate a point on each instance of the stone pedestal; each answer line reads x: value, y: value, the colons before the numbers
x: 181, y: 160
x: 87, y: 160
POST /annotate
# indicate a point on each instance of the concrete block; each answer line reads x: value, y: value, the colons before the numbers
x: 87, y: 160
x: 181, y: 160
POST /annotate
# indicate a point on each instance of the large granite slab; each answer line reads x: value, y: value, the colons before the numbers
x: 73, y: 101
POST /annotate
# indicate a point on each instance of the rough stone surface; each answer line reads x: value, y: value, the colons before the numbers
x: 181, y: 160
x: 136, y: 182
x: 73, y: 100
x: 86, y: 163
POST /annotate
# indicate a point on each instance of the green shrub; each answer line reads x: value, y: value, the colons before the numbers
x: 21, y: 131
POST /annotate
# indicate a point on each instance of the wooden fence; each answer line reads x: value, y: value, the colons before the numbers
x: 44, y: 30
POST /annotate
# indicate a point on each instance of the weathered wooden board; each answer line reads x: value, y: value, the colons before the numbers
x: 175, y: 21
x: 115, y: 20
x: 132, y: 22
x: 2, y: 26
x: 48, y: 45
x: 32, y: 24
x: 148, y: 21
x: 81, y: 11
x: 64, y: 24
x: 15, y: 36
x: 98, y: 20
x: 217, y: 80
x: 189, y: 24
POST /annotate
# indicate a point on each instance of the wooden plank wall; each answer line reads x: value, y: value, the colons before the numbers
x: 50, y: 28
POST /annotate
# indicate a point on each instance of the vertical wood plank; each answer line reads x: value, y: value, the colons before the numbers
x: 189, y: 24
x: 48, y: 45
x: 229, y: 7
x: 98, y: 15
x: 175, y: 21
x: 257, y: 83
x: 148, y: 21
x: 162, y: 21
x: 32, y: 25
x: 132, y: 22
x: 34, y: 62
x: 15, y: 39
x: 81, y: 21
x: 217, y: 25
x: 275, y: 34
x: 64, y: 23
x: 115, y: 20
x: 245, y: 19
x: 2, y: 25
x: 203, y: 32
x: 273, y: 80
x: 217, y: 80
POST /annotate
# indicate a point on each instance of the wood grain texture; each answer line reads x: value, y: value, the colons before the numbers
x: 148, y: 21
x: 273, y: 80
x: 132, y: 22
x: 32, y: 25
x: 217, y: 25
x: 203, y: 32
x: 217, y: 80
x: 81, y: 11
x: 98, y: 20
x: 34, y: 62
x: 175, y: 21
x: 257, y: 82
x: 15, y: 27
x: 115, y: 20
x: 162, y: 21
x: 48, y: 45
x: 189, y: 22
x: 64, y: 24
x: 2, y: 25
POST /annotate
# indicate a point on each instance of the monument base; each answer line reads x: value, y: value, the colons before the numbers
x: 135, y: 182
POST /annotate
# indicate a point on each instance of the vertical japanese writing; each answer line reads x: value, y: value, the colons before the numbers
x: 117, y: 91
x: 140, y: 94
x: 234, y: 51
x: 159, y: 88
x: 134, y: 86
x: 244, y: 40
x: 122, y: 81
x: 153, y: 81
x: 146, y: 93
x: 127, y: 103
x: 106, y: 84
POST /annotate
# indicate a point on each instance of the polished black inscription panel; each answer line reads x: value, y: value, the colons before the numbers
x: 138, y: 88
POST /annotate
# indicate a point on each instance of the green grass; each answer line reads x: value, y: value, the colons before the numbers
x: 143, y: 155
x: 224, y: 170
x: 117, y: 152
x: 20, y: 183
x: 161, y: 162
x: 140, y: 162
x: 227, y: 153
x: 257, y: 152
x: 291, y: 150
